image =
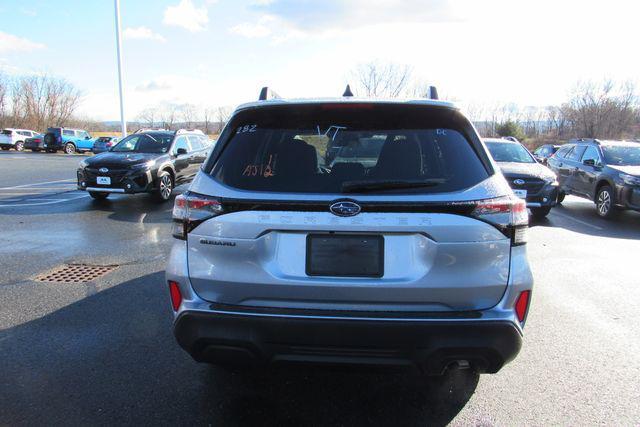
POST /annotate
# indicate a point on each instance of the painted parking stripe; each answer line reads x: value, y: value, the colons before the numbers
x: 36, y: 183
x: 570, y: 218
x: 17, y: 205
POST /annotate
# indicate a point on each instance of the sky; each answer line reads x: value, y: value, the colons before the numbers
x: 221, y: 52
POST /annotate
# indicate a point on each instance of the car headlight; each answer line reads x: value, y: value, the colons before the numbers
x: 551, y: 180
x: 145, y: 165
x: 630, y: 179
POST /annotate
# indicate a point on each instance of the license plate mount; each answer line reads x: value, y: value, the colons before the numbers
x: 345, y: 255
x: 103, y: 180
x: 520, y: 193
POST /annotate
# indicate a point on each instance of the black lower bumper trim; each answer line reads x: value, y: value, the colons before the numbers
x: 431, y: 346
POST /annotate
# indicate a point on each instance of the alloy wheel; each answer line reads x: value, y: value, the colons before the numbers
x: 604, y: 203
x: 165, y: 186
x: 19, y: 146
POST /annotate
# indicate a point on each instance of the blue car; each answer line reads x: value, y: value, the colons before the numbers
x: 69, y: 140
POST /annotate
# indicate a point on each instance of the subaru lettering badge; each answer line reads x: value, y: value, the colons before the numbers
x: 103, y: 170
x: 345, y: 208
x: 518, y: 181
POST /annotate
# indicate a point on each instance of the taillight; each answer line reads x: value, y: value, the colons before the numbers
x: 176, y: 296
x: 108, y: 144
x: 522, y: 305
x: 509, y: 214
x: 189, y: 210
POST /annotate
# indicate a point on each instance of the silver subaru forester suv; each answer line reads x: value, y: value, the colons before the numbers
x: 350, y: 231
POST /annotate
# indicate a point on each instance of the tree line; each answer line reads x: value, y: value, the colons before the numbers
x: 605, y: 109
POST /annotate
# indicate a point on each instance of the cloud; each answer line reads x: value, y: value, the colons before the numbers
x: 259, y: 29
x: 142, y: 33
x: 186, y: 15
x: 154, y: 86
x: 312, y: 16
x: 11, y: 43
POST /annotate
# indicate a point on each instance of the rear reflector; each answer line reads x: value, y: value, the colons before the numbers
x: 176, y: 296
x: 522, y: 305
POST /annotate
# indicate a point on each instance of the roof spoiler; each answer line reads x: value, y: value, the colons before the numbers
x: 266, y: 94
x: 432, y: 93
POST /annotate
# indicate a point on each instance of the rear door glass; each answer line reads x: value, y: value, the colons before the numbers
x: 576, y: 153
x: 320, y: 148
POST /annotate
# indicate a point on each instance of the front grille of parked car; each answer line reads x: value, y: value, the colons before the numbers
x: 115, y: 175
x: 532, y: 185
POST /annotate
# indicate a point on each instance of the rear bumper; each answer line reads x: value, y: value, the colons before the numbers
x: 245, y: 338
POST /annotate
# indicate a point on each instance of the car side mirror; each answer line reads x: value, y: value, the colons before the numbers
x: 589, y: 162
x: 181, y: 151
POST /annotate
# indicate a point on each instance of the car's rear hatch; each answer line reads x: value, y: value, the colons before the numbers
x: 277, y: 242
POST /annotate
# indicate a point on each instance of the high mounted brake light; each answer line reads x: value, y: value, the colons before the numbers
x: 508, y: 214
x: 189, y: 210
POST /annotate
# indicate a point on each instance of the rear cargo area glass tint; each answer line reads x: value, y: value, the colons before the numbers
x: 321, y: 148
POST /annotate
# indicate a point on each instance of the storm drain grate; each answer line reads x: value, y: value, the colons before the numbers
x: 76, y: 273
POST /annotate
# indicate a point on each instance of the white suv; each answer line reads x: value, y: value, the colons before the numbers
x: 14, y: 138
x: 352, y: 231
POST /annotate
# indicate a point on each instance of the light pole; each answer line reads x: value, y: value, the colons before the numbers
x: 123, y: 122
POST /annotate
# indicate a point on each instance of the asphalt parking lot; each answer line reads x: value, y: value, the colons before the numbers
x: 102, y: 352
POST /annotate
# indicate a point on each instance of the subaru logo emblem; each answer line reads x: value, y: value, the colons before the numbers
x: 103, y: 170
x: 345, y: 208
x: 518, y: 181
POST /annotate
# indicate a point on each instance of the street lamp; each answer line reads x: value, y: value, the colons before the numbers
x: 123, y: 122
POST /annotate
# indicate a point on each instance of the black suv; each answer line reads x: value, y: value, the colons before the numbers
x: 145, y: 162
x: 528, y: 179
x: 607, y: 172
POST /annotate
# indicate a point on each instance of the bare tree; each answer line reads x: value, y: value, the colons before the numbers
x: 188, y: 114
x: 169, y: 115
x: 223, y: 116
x: 148, y: 116
x: 378, y: 79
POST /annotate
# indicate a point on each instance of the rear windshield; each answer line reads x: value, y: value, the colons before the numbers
x: 347, y: 148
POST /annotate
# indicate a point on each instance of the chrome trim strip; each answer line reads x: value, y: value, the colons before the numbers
x: 105, y: 190
x: 534, y: 205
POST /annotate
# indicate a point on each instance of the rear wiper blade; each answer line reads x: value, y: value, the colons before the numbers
x: 364, y: 186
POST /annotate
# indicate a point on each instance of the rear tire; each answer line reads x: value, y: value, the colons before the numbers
x: 540, y: 213
x: 605, y: 202
x: 165, y: 186
x: 69, y: 148
x: 561, y: 196
x: 35, y: 150
x: 19, y: 146
x: 98, y: 195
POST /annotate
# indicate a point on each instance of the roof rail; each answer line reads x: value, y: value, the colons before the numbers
x: 432, y: 93
x: 151, y: 130
x: 347, y: 91
x: 266, y: 94
x: 198, y: 131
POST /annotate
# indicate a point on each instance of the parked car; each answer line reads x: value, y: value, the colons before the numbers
x: 14, y: 138
x: 145, y: 162
x: 545, y: 151
x: 416, y: 259
x: 104, y: 143
x: 606, y: 172
x: 35, y: 143
x: 529, y: 179
x: 70, y: 140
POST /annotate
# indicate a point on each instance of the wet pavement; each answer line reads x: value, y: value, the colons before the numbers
x: 102, y: 352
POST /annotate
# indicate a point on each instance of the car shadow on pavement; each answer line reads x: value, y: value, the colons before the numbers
x: 582, y: 218
x: 111, y: 358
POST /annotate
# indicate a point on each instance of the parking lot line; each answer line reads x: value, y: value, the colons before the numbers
x: 577, y: 220
x: 51, y: 202
x: 35, y: 184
